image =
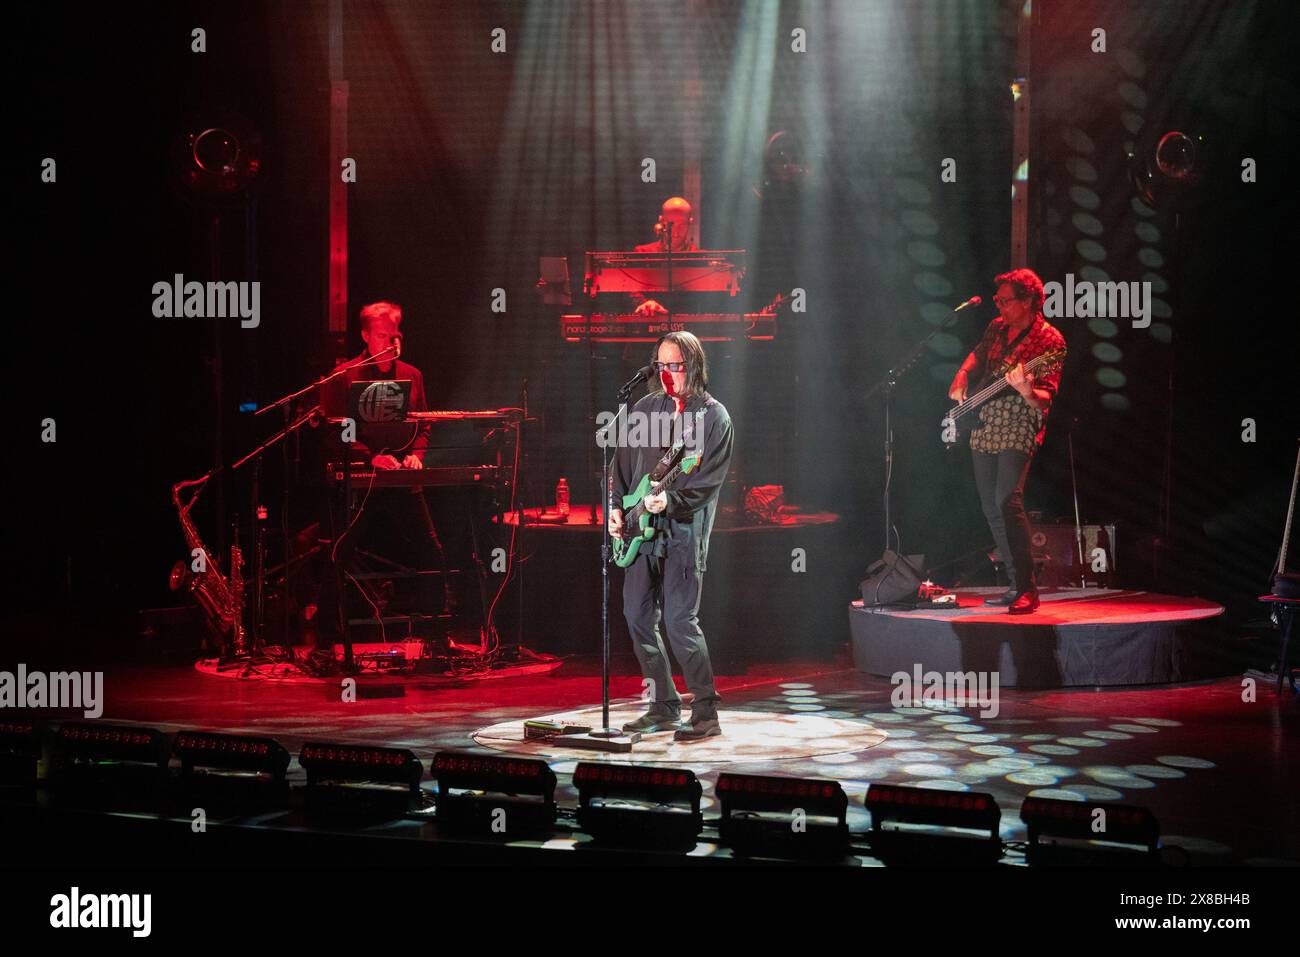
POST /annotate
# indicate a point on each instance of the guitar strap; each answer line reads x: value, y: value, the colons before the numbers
x: 1011, y: 348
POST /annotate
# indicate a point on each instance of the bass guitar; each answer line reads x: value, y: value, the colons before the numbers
x: 637, y: 529
x: 988, y: 389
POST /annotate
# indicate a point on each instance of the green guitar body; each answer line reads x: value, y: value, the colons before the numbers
x: 637, y: 529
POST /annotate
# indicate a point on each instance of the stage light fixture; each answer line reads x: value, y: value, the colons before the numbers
x: 783, y: 817
x: 230, y: 752
x: 349, y: 779
x: 217, y: 158
x: 109, y: 764
x: 925, y: 825
x: 638, y: 805
x: 1080, y: 832
x: 1164, y: 174
x: 232, y: 766
x: 494, y: 796
x: 20, y: 750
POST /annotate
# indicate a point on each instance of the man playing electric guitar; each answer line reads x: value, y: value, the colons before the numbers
x: 666, y: 579
x: 1012, y: 425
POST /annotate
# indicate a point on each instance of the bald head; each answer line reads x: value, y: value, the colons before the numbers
x: 677, y: 211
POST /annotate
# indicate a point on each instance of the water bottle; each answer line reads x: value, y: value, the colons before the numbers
x: 562, y: 497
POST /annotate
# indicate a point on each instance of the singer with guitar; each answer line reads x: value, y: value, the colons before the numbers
x: 1012, y: 424
x: 665, y: 579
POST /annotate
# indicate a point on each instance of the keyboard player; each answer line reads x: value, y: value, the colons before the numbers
x: 675, y: 213
x: 391, y: 520
x: 383, y: 445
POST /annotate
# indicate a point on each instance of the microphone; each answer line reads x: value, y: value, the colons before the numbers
x: 642, y: 374
x: 396, y: 343
x: 972, y: 301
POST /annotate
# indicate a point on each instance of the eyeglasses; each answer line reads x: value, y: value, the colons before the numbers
x: 670, y: 366
x: 1003, y: 302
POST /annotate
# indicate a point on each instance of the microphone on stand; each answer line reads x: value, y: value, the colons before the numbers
x: 396, y: 344
x: 972, y: 301
x: 642, y: 374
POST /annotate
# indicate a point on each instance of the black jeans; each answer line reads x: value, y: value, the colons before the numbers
x: 1000, y: 478
x: 669, y: 588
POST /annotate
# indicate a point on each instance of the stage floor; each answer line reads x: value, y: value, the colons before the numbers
x: 1214, y: 769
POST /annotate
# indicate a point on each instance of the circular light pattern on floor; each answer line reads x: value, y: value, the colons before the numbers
x: 1038, y: 737
x: 1082, y: 742
x: 794, y: 684
x: 1056, y: 794
x: 1118, y: 778
x: 1094, y: 792
x: 807, y: 707
x: 918, y: 756
x: 1052, y: 749
x: 927, y: 770
x: 992, y: 749
x: 1134, y: 728
x: 949, y: 718
x: 1108, y: 735
x: 885, y: 717
x: 1158, y: 771
x: 942, y: 784
x: 1034, y: 776
x: 1182, y: 761
x: 979, y: 738
x: 799, y: 693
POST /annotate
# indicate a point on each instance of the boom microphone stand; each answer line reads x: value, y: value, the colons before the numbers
x: 887, y: 385
x: 606, y: 738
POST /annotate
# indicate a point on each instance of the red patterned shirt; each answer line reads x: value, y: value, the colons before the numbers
x: 1008, y: 422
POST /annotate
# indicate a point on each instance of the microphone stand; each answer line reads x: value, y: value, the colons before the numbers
x: 1078, y: 528
x: 672, y: 293
x: 887, y: 385
x: 606, y: 738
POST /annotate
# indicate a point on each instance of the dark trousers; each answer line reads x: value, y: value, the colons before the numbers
x: 668, y: 588
x: 1000, y: 478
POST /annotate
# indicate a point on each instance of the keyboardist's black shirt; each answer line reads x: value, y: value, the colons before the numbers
x: 372, y: 438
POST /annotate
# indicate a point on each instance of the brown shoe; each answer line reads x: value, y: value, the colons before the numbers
x: 698, y: 730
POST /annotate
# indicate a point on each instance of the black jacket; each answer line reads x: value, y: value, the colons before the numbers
x: 693, y: 498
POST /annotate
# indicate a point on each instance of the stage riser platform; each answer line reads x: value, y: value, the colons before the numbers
x: 1058, y: 647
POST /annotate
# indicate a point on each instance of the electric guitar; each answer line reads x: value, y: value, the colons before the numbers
x: 636, y: 520
x: 988, y: 389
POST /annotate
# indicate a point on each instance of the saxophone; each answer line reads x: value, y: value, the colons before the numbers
x: 221, y: 601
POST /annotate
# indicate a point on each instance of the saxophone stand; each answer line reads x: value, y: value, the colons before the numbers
x: 606, y: 738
